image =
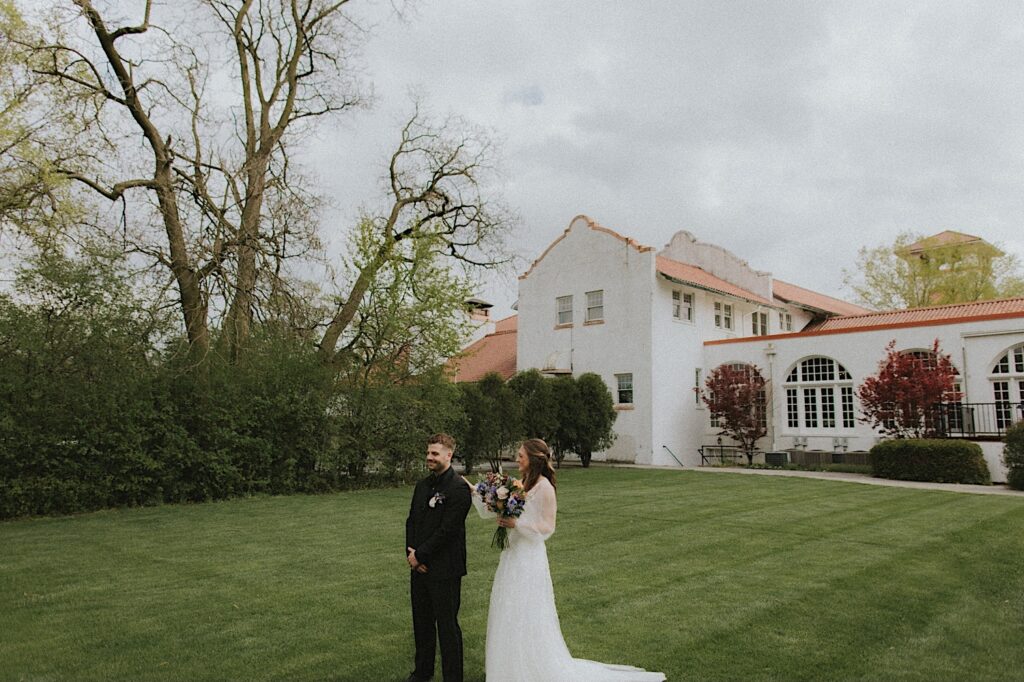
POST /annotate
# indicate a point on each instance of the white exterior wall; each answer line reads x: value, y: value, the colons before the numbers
x: 973, y: 347
x: 677, y: 353
x: 588, y: 259
x: 638, y: 335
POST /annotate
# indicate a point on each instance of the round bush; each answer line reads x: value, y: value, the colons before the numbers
x: 1013, y: 456
x: 935, y: 460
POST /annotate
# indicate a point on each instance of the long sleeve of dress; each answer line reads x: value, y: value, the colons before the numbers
x: 481, y: 508
x: 539, y: 514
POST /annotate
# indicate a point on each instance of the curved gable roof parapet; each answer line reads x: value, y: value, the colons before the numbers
x: 684, y: 247
x: 593, y: 225
x: 684, y: 273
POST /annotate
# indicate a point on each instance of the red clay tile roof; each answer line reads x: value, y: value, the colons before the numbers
x: 698, y: 277
x: 593, y: 226
x: 949, y: 238
x: 942, y: 314
x: 791, y: 293
x: 494, y: 353
x: 957, y: 313
x: 509, y: 324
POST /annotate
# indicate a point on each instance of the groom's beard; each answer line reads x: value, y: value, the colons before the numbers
x: 437, y: 466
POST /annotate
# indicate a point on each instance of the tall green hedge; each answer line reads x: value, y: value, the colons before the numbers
x: 1013, y: 456
x: 936, y: 460
x: 98, y: 410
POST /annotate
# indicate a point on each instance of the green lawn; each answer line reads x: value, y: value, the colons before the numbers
x: 705, y: 577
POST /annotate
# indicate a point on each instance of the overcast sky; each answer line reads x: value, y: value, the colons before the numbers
x: 790, y: 133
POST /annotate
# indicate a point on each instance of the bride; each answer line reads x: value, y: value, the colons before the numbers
x: 524, y: 638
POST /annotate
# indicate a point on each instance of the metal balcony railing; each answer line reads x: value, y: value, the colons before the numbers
x: 976, y: 420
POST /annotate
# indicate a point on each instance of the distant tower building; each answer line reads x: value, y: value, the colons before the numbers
x: 952, y: 267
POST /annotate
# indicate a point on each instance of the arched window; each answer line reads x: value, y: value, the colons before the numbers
x: 819, y: 395
x: 1007, y: 379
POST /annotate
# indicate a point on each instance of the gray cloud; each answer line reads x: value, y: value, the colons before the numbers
x: 791, y: 133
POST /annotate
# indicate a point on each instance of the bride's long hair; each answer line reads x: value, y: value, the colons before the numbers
x: 539, y: 456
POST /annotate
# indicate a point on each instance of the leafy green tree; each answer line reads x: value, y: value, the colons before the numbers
x: 595, y: 418
x: 536, y: 398
x: 75, y: 369
x: 380, y: 428
x: 898, y: 276
x: 1013, y: 456
x: 213, y: 196
x: 492, y: 421
x: 566, y: 397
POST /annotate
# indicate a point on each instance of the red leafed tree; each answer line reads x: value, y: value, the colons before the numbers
x: 735, y: 396
x: 902, y: 399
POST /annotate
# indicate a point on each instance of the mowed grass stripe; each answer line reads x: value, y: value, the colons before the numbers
x: 716, y: 577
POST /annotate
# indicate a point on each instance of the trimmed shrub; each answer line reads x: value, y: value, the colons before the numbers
x: 935, y: 460
x: 1013, y: 456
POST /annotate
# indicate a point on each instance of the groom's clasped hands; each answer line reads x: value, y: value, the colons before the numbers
x: 414, y: 563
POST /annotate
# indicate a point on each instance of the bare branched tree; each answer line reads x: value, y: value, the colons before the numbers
x: 219, y: 93
x: 435, y: 185
x: 218, y: 198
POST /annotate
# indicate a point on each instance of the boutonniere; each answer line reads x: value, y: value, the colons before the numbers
x: 437, y: 499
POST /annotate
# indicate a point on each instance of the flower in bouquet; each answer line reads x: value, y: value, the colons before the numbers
x: 504, y: 496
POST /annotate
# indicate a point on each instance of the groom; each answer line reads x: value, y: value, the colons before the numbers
x: 435, y: 545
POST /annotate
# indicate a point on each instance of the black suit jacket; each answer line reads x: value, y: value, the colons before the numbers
x: 438, y: 533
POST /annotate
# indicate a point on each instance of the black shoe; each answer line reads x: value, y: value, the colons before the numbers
x: 413, y: 678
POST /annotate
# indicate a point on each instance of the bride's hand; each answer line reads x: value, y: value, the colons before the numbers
x: 506, y: 522
x: 471, y: 486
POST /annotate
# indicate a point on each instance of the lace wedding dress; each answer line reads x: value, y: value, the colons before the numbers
x: 524, y: 638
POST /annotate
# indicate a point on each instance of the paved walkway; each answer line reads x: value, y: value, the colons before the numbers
x: 836, y: 476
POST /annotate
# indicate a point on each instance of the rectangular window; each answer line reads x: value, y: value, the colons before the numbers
x: 792, y: 409
x: 847, y: 396
x: 564, y: 306
x: 811, y: 408
x: 760, y: 324
x: 595, y: 305
x: 697, y: 386
x: 723, y: 315
x: 785, y: 322
x: 1001, y: 391
x: 828, y: 408
x: 625, y: 388
x: 682, y: 306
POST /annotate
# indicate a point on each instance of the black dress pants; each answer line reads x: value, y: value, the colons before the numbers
x: 435, y: 618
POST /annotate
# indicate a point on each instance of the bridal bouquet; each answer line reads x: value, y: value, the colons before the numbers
x: 504, y: 496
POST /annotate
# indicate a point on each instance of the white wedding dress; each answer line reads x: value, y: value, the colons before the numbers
x: 524, y: 638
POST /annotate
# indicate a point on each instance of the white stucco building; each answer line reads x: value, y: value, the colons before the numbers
x: 654, y: 323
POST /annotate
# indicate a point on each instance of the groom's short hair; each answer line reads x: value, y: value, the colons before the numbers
x: 442, y: 439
